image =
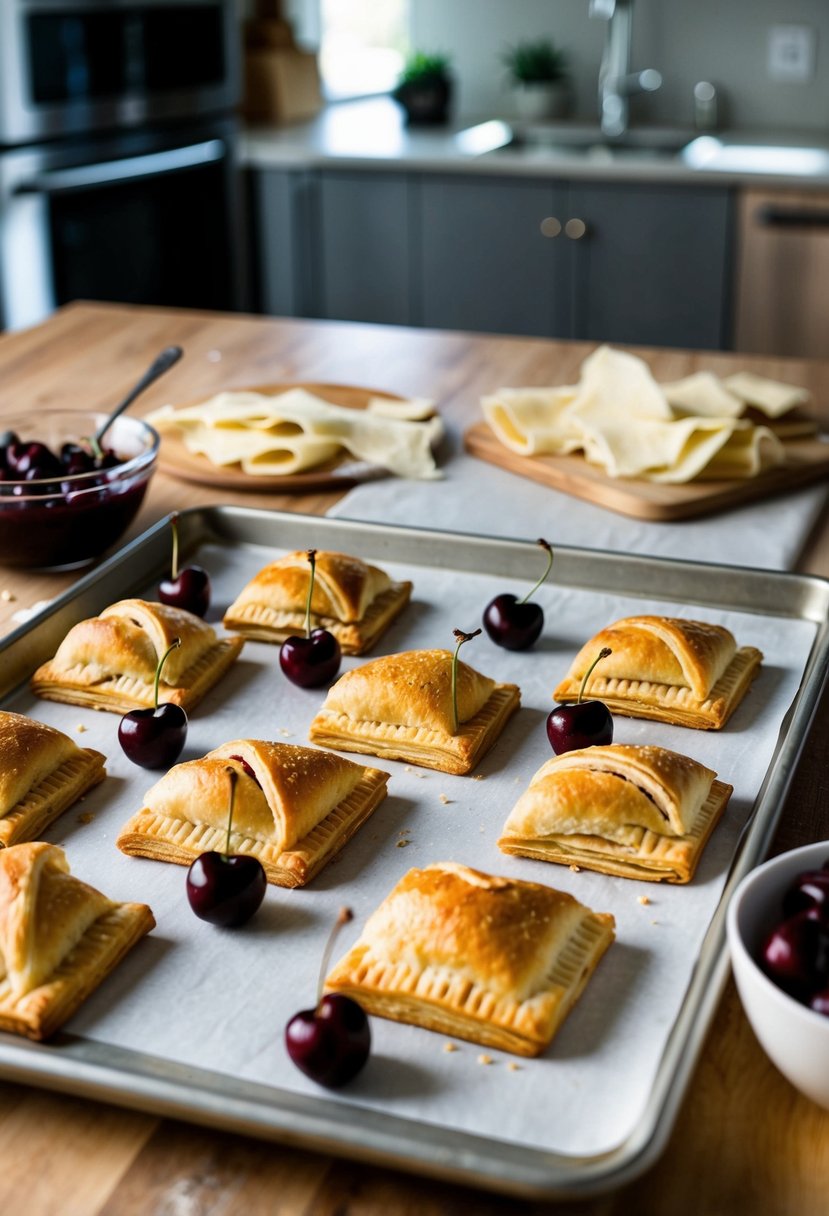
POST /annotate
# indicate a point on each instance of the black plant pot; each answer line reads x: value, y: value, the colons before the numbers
x: 425, y: 101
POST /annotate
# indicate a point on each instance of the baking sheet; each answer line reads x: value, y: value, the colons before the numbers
x: 219, y: 1000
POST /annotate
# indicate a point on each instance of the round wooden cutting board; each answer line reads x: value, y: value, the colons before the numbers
x: 175, y: 458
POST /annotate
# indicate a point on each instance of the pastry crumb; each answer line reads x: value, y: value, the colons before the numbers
x: 81, y: 729
x: 287, y: 734
x: 643, y: 900
x: 450, y: 1047
x: 483, y: 1058
x: 7, y: 596
x: 654, y: 922
x: 444, y: 799
x: 86, y: 817
x: 576, y: 869
x: 478, y: 777
x: 513, y: 1067
x: 402, y: 842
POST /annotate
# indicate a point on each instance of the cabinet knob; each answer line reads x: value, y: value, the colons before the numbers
x: 550, y: 226
x: 575, y: 229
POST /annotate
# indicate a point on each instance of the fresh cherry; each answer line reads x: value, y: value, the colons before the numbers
x: 227, y: 888
x: 331, y: 1042
x: 796, y: 954
x: 583, y: 724
x: 516, y: 624
x: 188, y: 588
x: 154, y: 738
x: 315, y: 659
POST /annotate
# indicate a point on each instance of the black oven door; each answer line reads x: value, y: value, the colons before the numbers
x: 145, y: 219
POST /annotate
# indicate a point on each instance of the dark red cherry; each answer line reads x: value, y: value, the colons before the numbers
x: 154, y: 738
x: 808, y: 890
x: 581, y: 723
x: 23, y: 457
x: 331, y: 1042
x: 188, y: 588
x: 227, y: 888
x: 313, y: 661
x: 516, y: 624
x: 820, y: 1002
x: 795, y: 955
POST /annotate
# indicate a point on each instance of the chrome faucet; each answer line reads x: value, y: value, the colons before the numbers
x: 616, y: 81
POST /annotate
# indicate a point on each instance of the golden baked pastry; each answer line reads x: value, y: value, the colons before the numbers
x: 493, y: 960
x: 42, y: 773
x: 668, y: 669
x: 59, y: 938
x: 639, y: 812
x: 109, y: 661
x: 400, y: 707
x: 294, y: 808
x: 351, y: 599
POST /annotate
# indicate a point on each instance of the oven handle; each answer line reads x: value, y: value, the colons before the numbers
x: 58, y: 181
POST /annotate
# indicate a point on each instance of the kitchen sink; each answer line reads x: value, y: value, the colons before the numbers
x: 570, y: 139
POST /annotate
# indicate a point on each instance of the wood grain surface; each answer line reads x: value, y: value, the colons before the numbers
x: 745, y: 1141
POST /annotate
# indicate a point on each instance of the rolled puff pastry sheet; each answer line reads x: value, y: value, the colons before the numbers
x: 42, y: 772
x: 668, y: 669
x: 109, y: 661
x: 494, y: 960
x: 59, y: 938
x: 639, y: 812
x: 400, y: 707
x: 353, y: 600
x: 294, y: 808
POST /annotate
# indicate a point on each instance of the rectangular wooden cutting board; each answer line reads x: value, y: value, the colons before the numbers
x: 808, y: 461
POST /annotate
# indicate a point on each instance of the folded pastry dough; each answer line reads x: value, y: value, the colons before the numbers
x: 400, y: 707
x: 687, y: 673
x: 109, y: 661
x: 42, y: 773
x: 639, y: 812
x: 493, y: 960
x: 294, y: 808
x: 59, y: 938
x: 353, y: 600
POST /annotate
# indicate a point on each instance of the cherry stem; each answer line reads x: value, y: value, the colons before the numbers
x: 461, y: 638
x: 312, y: 558
x: 174, y: 526
x: 176, y: 642
x: 233, y: 775
x: 549, y: 551
x: 344, y: 916
x: 97, y: 450
x: 603, y: 654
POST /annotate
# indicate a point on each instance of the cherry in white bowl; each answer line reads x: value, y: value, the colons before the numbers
x: 795, y: 1037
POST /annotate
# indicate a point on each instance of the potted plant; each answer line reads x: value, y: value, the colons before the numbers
x: 538, y: 71
x: 424, y: 89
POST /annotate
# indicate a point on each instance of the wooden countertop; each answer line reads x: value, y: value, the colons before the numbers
x: 745, y: 1140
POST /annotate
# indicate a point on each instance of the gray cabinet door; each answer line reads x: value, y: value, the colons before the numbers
x: 653, y: 265
x: 281, y: 238
x: 363, y: 250
x: 485, y: 263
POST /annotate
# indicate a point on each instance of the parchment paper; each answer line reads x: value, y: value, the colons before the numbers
x: 220, y: 999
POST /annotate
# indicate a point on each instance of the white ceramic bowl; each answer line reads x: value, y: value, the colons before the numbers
x: 794, y: 1038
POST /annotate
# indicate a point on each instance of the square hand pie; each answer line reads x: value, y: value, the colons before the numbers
x: 59, y: 938
x: 109, y: 661
x: 687, y: 673
x: 639, y: 812
x: 400, y: 707
x: 42, y: 773
x: 354, y: 601
x: 493, y: 960
x: 294, y: 808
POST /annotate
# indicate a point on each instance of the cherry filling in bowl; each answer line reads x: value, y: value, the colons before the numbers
x: 60, y: 505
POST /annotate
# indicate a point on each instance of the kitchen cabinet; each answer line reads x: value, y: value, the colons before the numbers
x: 615, y: 263
x: 643, y: 263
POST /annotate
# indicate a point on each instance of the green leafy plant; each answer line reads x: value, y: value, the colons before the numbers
x: 536, y: 62
x: 420, y: 68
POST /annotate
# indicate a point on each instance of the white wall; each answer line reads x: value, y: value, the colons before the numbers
x: 724, y: 41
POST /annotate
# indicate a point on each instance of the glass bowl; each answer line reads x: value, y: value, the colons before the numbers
x: 67, y: 521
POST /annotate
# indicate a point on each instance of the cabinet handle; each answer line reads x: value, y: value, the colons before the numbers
x: 550, y: 226
x: 792, y: 217
x: 575, y: 229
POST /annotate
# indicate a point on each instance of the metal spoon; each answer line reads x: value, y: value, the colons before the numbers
x: 163, y: 363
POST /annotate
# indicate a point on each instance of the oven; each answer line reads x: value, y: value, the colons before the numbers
x: 118, y: 174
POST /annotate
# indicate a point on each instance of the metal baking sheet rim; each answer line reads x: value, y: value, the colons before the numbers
x: 84, y: 1068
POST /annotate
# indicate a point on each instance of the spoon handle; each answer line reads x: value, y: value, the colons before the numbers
x: 165, y: 360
